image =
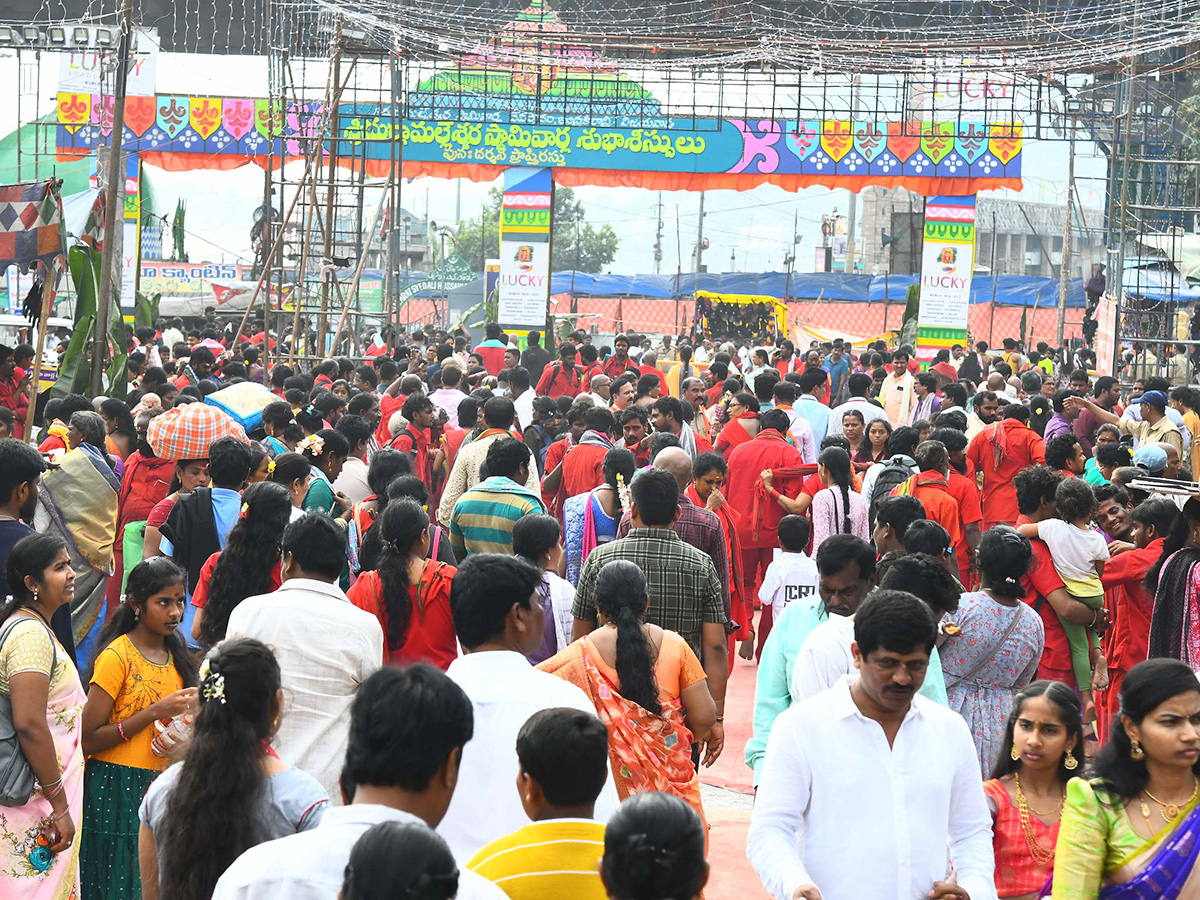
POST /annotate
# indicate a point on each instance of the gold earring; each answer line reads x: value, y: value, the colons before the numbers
x: 1136, y: 753
x: 1014, y: 754
x: 1070, y: 761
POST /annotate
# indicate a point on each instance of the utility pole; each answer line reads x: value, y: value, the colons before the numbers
x: 1064, y: 269
x: 658, y: 252
x: 852, y: 214
x: 327, y: 271
x: 700, y: 237
x: 113, y: 192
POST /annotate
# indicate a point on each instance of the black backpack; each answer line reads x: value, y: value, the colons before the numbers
x: 895, y: 473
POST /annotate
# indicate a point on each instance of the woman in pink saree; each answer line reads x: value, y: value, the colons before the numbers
x: 39, y: 845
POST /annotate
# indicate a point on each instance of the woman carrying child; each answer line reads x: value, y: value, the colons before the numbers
x: 1079, y: 552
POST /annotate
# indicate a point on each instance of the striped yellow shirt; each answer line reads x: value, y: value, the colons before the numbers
x: 550, y: 860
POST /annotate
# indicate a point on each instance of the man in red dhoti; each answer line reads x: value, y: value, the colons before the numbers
x: 760, y: 513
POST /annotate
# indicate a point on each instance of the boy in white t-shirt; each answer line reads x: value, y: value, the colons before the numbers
x: 1079, y: 552
x: 792, y: 575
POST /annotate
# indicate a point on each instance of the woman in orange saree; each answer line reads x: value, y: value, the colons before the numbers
x: 648, y: 688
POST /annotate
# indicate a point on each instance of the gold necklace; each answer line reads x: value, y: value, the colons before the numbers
x: 1170, y: 811
x: 1036, y: 850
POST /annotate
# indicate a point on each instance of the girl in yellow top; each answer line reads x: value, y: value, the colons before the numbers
x: 1130, y: 831
x: 143, y: 672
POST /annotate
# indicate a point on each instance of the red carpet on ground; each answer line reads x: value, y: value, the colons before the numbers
x: 732, y: 877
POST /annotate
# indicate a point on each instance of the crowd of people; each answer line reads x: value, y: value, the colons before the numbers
x: 459, y: 621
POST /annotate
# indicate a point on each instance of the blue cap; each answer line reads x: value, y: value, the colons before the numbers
x: 1154, y: 398
x: 1149, y: 457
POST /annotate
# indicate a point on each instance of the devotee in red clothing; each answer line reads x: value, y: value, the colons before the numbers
x: 1000, y: 451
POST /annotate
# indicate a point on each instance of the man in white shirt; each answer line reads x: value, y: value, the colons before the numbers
x: 859, y: 386
x: 326, y: 647
x: 448, y: 396
x: 521, y: 393
x: 870, y: 759
x: 800, y: 430
x: 352, y: 480
x: 601, y: 390
x: 407, y: 731
x: 500, y: 620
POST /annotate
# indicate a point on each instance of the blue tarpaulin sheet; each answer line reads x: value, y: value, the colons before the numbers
x: 1011, y: 290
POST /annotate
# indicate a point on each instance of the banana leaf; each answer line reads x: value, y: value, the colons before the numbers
x: 73, y: 371
x: 145, y: 310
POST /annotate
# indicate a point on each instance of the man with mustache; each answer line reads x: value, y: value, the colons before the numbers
x: 870, y: 759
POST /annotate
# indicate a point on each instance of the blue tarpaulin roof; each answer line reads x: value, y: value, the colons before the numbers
x: 1011, y: 290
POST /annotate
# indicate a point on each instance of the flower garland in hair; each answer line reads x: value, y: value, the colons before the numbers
x: 313, y: 442
x: 623, y: 491
x: 270, y: 468
x: 212, y: 684
x: 244, y: 511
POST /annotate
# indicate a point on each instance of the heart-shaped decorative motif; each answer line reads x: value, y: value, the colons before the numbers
x: 803, y: 137
x: 870, y: 140
x: 836, y: 139
x: 238, y: 118
x: 971, y: 140
x: 139, y: 114
x: 903, y: 139
x: 74, y: 110
x: 937, y: 140
x: 268, y: 121
x: 1005, y: 141
x: 205, y: 114
x: 172, y: 115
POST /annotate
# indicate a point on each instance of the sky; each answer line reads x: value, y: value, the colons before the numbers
x: 748, y: 230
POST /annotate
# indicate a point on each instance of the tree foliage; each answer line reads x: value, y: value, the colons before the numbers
x: 577, y: 244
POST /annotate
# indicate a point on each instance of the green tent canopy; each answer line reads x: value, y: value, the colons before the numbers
x: 37, y: 146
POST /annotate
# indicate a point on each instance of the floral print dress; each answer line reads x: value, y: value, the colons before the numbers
x: 28, y: 871
x: 994, y: 654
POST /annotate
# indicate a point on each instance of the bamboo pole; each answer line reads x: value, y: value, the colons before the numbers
x: 327, y: 255
x: 43, y: 324
x: 267, y: 268
x: 362, y: 260
x: 333, y: 97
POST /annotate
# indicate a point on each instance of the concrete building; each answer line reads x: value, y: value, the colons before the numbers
x: 1028, y: 237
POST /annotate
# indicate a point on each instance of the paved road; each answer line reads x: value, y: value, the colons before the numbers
x: 727, y: 792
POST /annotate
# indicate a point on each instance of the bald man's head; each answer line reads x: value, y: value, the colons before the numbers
x: 676, y: 461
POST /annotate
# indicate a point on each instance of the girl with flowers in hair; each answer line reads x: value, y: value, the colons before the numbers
x: 248, y: 566
x: 142, y: 673
x: 231, y: 792
x: 327, y: 451
x: 591, y: 519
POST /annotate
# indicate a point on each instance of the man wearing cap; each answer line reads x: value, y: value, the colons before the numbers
x: 563, y: 378
x: 1152, y: 459
x: 1154, y: 427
